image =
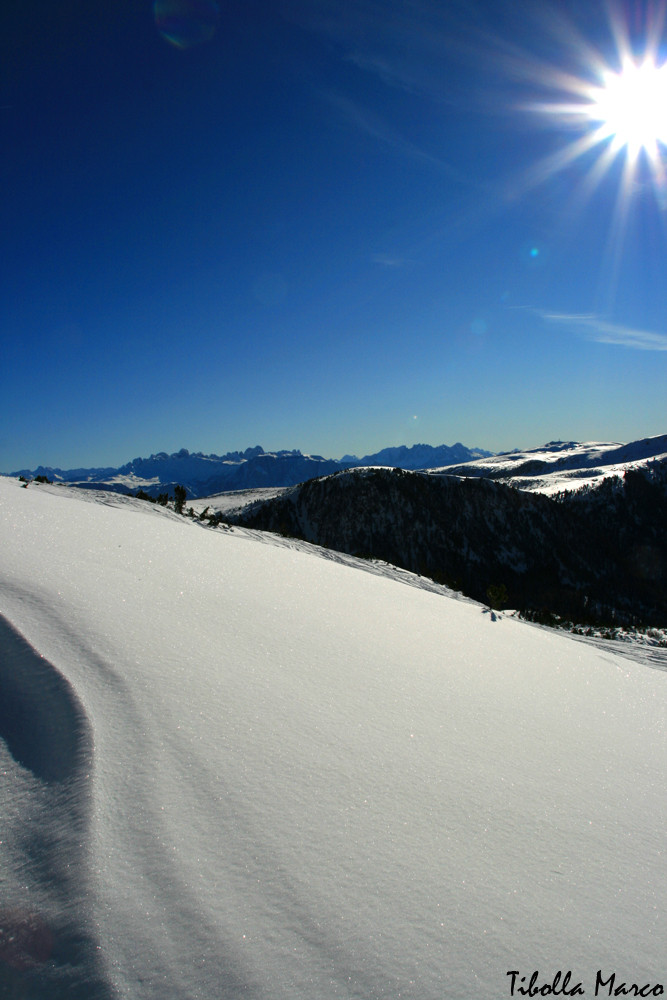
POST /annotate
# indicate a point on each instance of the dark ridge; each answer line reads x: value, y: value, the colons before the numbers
x: 598, y: 557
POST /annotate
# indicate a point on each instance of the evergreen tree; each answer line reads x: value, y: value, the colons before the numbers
x: 496, y: 595
x: 180, y: 496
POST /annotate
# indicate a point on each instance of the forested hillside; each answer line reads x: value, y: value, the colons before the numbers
x: 595, y: 556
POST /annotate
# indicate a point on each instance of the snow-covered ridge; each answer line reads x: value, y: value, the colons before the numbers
x: 563, y: 465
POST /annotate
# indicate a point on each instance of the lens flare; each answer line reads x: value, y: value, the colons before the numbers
x: 185, y: 23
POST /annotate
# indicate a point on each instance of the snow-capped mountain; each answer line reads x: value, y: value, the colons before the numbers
x: 418, y: 456
x: 235, y: 765
x: 199, y: 474
x: 203, y: 475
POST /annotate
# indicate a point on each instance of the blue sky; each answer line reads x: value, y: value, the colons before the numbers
x: 325, y: 225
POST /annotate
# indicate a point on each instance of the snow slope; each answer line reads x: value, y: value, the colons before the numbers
x: 232, y: 768
x: 235, y: 500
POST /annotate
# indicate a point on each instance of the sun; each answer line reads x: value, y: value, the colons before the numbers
x: 613, y: 114
x: 606, y: 106
x: 631, y: 107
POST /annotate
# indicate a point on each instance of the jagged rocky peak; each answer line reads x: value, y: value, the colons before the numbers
x: 204, y: 475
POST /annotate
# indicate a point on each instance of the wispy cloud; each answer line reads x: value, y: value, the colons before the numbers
x: 387, y: 260
x: 377, y: 127
x: 598, y: 329
x: 419, y: 47
x: 406, y: 45
x: 383, y: 67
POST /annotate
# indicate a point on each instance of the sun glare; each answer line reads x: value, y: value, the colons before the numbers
x: 615, y: 112
x: 631, y: 107
x: 611, y: 113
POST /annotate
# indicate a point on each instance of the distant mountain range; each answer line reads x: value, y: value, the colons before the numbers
x: 204, y: 475
x: 556, y: 466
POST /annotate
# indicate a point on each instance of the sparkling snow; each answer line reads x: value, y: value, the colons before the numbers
x: 237, y: 769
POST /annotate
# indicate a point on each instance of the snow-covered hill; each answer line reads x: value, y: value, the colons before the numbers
x: 565, y: 465
x: 230, y: 767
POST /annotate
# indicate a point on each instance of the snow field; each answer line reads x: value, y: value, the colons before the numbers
x: 306, y: 781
